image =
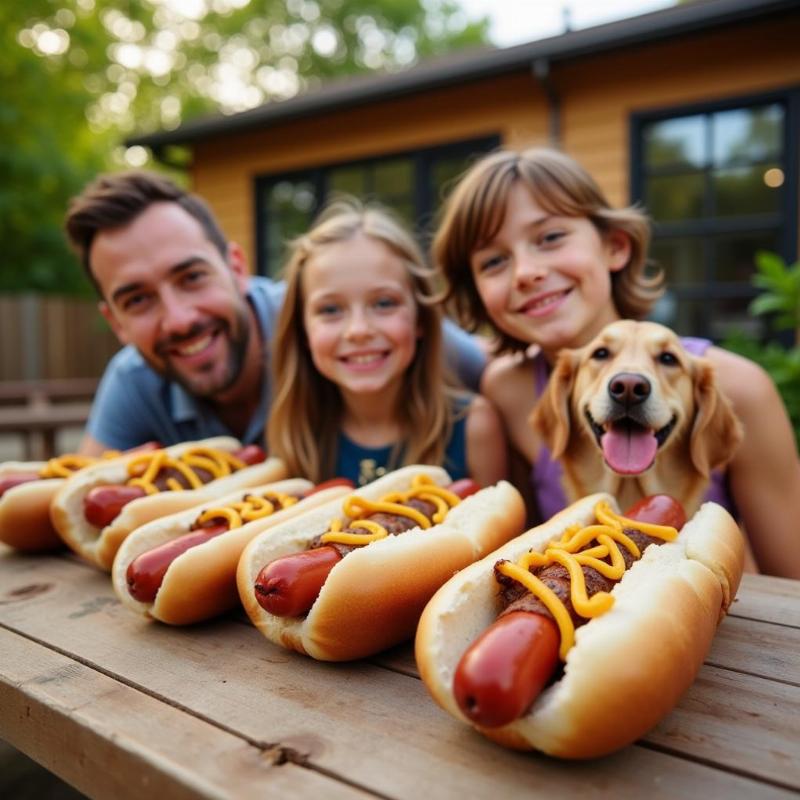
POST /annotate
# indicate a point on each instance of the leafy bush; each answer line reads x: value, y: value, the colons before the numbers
x: 780, y: 298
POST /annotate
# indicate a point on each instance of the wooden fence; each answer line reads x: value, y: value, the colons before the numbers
x: 45, y: 337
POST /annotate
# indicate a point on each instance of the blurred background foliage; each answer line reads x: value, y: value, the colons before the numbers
x: 77, y: 76
x: 780, y: 300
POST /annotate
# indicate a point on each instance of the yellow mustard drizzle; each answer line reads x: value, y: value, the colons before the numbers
x: 146, y: 467
x: 64, y: 466
x: 609, y: 535
x: 253, y: 507
x: 355, y: 507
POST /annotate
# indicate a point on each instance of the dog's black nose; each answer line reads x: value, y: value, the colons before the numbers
x: 629, y: 388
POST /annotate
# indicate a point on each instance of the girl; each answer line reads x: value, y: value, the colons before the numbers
x: 357, y: 361
x: 530, y: 247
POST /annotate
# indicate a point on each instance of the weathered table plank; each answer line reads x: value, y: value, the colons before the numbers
x: 763, y: 597
x: 758, y: 732
x: 759, y: 648
x: 744, y: 714
x: 372, y: 727
x: 109, y: 740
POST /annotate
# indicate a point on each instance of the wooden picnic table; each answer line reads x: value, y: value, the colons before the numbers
x: 125, y: 708
x: 38, y: 410
x: 39, y: 426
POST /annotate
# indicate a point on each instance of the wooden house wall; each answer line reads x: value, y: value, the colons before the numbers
x: 597, y: 96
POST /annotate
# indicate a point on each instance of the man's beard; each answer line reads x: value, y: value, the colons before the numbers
x: 238, y: 338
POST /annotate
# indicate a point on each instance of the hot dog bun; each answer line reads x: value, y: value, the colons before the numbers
x: 629, y: 666
x: 25, y: 509
x: 100, y: 546
x: 373, y: 597
x: 201, y: 583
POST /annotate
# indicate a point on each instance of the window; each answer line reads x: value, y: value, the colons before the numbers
x: 719, y: 185
x: 412, y: 184
x: 289, y: 204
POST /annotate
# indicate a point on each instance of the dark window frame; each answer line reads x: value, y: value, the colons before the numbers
x: 704, y: 229
x: 422, y: 159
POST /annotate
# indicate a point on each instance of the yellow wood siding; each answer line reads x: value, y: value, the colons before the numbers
x: 597, y: 97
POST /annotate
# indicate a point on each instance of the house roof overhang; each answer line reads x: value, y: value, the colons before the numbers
x: 469, y: 65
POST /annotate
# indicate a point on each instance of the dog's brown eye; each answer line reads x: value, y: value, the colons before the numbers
x: 601, y: 354
x: 667, y: 359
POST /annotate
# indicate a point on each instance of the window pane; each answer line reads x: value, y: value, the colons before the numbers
x: 675, y: 196
x: 744, y: 190
x: 713, y: 319
x: 445, y: 173
x: 289, y: 209
x: 730, y: 314
x: 681, y: 260
x: 348, y: 180
x: 687, y: 317
x: 405, y: 210
x: 675, y: 142
x: 748, y: 134
x: 735, y: 255
x: 393, y: 178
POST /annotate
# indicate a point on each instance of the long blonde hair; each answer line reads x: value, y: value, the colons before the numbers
x: 474, y: 213
x: 306, y: 413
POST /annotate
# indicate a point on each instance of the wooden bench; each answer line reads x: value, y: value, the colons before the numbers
x: 38, y: 410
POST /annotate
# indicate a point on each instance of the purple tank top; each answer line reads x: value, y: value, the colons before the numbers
x: 546, y: 473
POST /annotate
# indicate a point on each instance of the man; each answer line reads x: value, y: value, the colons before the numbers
x: 195, y: 325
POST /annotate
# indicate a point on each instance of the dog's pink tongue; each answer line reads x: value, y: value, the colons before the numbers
x: 629, y: 450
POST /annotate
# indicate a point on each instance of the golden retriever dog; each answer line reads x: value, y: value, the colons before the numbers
x: 634, y: 414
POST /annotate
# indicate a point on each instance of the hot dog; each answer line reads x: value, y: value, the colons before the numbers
x: 355, y: 601
x: 506, y: 668
x: 26, y: 490
x: 96, y: 509
x: 628, y: 650
x: 288, y: 586
x: 181, y: 569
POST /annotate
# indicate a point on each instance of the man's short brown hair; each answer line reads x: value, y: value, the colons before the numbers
x: 116, y: 199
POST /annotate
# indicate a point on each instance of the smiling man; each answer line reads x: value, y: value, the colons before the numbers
x: 171, y: 294
x: 195, y: 324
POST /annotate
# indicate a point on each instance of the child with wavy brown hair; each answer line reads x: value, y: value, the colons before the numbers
x: 530, y: 248
x: 359, y: 380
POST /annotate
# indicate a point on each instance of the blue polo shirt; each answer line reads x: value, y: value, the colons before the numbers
x: 134, y: 404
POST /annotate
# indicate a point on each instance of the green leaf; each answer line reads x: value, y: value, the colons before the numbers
x: 770, y: 264
x: 767, y: 304
x: 781, y: 298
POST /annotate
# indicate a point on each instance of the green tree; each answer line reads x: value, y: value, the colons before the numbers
x: 47, y: 153
x: 77, y: 76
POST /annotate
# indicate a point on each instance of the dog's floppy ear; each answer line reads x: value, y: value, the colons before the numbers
x: 717, y: 431
x: 550, y: 417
